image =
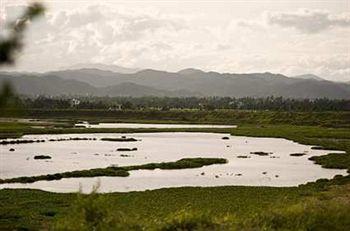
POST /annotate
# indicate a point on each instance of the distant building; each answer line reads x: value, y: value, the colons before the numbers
x: 117, y: 107
x: 240, y: 105
x: 74, y: 102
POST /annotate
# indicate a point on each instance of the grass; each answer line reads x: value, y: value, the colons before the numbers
x: 117, y: 171
x: 187, y: 208
x: 180, y: 164
x: 309, y: 214
x: 333, y: 160
x: 326, y: 211
x: 110, y: 171
x: 28, y: 208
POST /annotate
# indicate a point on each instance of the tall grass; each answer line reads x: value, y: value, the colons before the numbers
x: 323, y: 211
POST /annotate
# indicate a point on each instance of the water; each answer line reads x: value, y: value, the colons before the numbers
x: 282, y: 170
x: 137, y: 125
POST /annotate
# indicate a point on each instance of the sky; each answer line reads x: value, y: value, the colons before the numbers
x: 289, y: 37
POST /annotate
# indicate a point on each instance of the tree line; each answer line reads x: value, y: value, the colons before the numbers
x: 168, y: 103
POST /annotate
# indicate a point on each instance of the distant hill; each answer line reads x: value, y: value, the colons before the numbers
x: 308, y: 76
x: 102, y: 67
x: 95, y: 77
x: 188, y: 82
x: 51, y: 85
x: 190, y: 71
x: 46, y: 85
x: 135, y: 90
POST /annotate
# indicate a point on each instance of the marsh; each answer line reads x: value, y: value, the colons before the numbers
x: 74, y: 154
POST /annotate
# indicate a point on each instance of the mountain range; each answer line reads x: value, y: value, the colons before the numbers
x: 106, y: 81
x: 100, y: 66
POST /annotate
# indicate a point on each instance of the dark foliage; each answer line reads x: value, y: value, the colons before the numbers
x: 206, y: 103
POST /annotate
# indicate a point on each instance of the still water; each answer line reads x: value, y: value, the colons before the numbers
x: 137, y: 125
x: 276, y: 169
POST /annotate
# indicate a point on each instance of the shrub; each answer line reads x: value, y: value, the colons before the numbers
x: 185, y: 221
x: 311, y: 214
x: 94, y: 212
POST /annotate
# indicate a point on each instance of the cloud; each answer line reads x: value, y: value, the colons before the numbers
x: 308, y: 21
x: 253, y: 25
x: 109, y: 24
x: 99, y: 33
x: 92, y: 14
x: 142, y: 37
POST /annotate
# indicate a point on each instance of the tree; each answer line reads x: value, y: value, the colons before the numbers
x: 12, y: 44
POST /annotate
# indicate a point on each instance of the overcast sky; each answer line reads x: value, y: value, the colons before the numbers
x: 289, y: 37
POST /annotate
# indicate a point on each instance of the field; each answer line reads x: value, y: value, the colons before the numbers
x: 322, y: 205
x: 301, y: 207
x: 33, y: 209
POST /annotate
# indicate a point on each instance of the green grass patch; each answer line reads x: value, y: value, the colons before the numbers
x: 333, y: 160
x: 117, y: 171
x: 26, y: 209
x: 187, y: 208
x: 180, y: 164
